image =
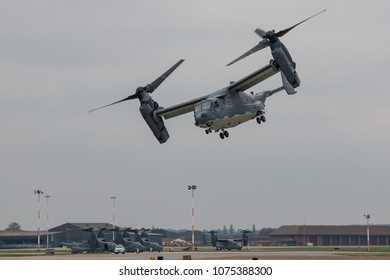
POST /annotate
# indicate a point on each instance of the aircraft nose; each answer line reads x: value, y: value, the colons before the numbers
x: 200, y: 119
x: 200, y: 116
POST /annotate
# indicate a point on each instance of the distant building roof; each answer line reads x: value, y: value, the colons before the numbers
x: 22, y: 233
x: 18, y: 233
x: 81, y: 226
x: 330, y: 230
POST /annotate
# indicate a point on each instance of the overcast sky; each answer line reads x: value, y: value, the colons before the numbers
x: 322, y: 157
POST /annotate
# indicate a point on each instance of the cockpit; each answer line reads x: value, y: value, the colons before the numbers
x: 203, y: 106
x: 206, y: 105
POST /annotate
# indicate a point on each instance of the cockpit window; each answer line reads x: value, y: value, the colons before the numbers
x: 198, y: 107
x: 205, y: 105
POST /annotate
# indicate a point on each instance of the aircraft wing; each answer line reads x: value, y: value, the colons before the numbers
x: 253, y: 79
x: 180, y: 109
x: 241, y: 85
x: 226, y: 241
x: 238, y: 239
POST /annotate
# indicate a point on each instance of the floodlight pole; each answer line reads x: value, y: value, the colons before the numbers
x: 47, y: 220
x: 368, y: 216
x: 193, y: 188
x: 113, y: 216
x: 39, y: 192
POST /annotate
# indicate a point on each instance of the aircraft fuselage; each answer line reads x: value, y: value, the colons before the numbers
x: 229, y: 110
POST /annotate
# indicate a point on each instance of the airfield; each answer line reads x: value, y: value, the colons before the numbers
x: 208, y: 253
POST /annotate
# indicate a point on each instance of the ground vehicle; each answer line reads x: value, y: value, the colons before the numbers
x: 119, y: 249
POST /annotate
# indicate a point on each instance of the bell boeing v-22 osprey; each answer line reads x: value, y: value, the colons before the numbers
x: 229, y: 243
x: 95, y: 244
x: 229, y: 106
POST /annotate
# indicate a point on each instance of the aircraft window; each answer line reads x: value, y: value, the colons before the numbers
x: 206, y: 105
x: 215, y: 105
x: 197, y: 108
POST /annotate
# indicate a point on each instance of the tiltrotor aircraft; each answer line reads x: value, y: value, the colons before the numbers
x: 229, y: 243
x: 123, y: 236
x: 229, y: 106
x: 144, y: 240
x: 95, y: 244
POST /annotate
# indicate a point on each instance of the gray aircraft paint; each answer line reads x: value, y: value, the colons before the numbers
x: 229, y: 106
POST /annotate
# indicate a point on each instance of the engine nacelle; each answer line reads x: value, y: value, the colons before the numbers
x: 156, y: 123
x: 286, y: 66
x: 245, y: 239
x: 214, y: 239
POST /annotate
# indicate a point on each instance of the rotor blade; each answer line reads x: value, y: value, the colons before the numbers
x: 152, y: 86
x: 260, y: 32
x: 263, y: 44
x: 134, y: 96
x: 285, y: 31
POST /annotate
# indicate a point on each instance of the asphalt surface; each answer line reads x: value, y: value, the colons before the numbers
x: 213, y: 255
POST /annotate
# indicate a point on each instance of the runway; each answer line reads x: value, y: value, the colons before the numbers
x: 214, y: 255
x: 285, y: 264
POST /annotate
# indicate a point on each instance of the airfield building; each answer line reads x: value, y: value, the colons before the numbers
x: 68, y: 232
x: 78, y: 232
x: 20, y: 239
x: 355, y: 235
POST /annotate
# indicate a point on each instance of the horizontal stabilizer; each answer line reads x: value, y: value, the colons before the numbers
x: 262, y: 96
x: 272, y: 92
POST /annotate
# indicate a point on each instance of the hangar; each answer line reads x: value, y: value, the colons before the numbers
x: 316, y: 235
x: 77, y: 232
x: 68, y: 232
x: 20, y: 239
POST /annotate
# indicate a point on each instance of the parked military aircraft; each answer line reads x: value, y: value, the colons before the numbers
x: 229, y: 106
x: 123, y: 236
x: 144, y: 240
x: 95, y: 244
x: 229, y: 243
